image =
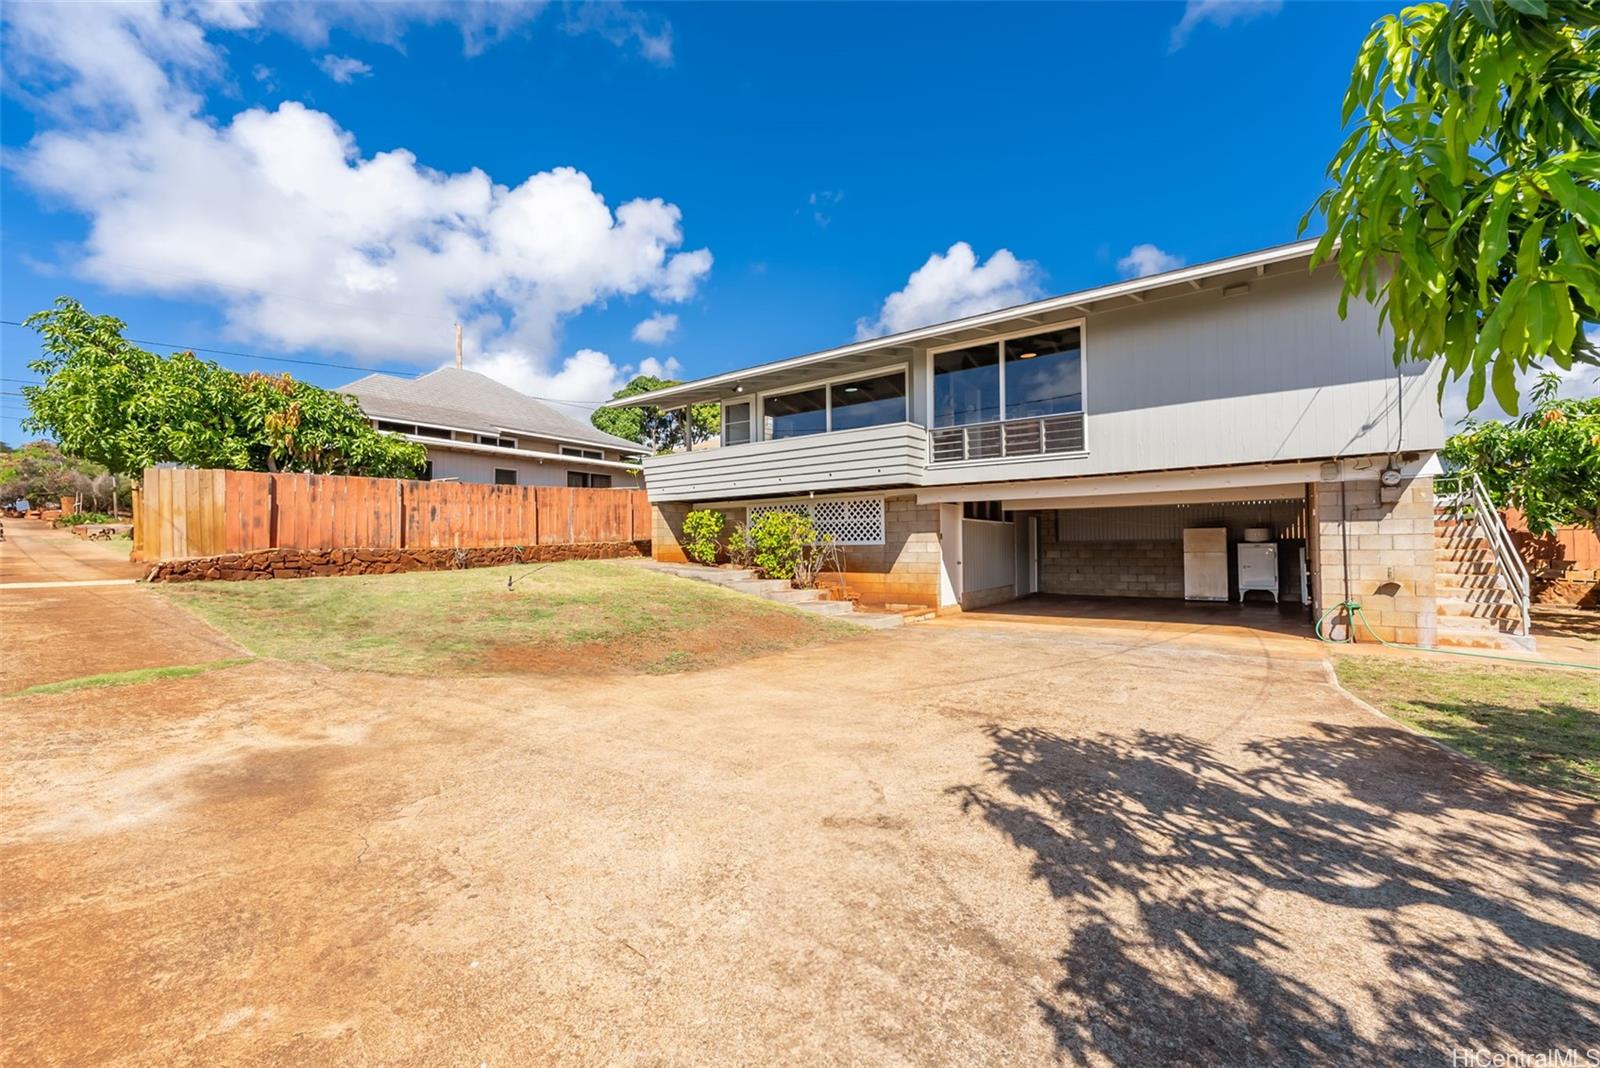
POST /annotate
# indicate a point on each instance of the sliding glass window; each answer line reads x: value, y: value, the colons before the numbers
x: 1044, y: 374
x: 875, y: 401
x: 966, y: 385
x: 793, y: 415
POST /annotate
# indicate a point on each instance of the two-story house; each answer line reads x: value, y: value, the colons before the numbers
x: 478, y: 430
x: 1076, y: 444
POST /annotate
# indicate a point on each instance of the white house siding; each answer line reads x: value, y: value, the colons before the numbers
x: 1200, y: 380
x: 1207, y: 380
x: 480, y: 467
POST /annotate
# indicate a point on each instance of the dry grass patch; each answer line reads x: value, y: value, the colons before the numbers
x: 1537, y: 725
x: 584, y: 617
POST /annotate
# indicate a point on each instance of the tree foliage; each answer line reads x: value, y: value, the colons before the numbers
x: 654, y: 428
x: 115, y: 404
x: 42, y: 474
x: 1545, y: 463
x: 1465, y: 199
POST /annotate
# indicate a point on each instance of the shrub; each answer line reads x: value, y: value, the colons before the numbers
x: 78, y: 519
x: 740, y: 548
x: 700, y: 532
x: 787, y: 546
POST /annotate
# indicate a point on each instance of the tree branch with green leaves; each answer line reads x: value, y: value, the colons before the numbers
x: 112, y: 403
x: 1465, y: 199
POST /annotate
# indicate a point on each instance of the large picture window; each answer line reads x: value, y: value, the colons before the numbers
x: 792, y: 415
x: 875, y: 401
x: 847, y: 404
x: 966, y: 385
x: 1044, y: 375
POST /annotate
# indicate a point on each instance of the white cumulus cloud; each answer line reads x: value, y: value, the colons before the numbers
x: 1218, y: 13
x: 301, y: 238
x: 656, y: 329
x: 1582, y: 381
x: 1143, y: 260
x: 952, y: 285
x: 343, y: 69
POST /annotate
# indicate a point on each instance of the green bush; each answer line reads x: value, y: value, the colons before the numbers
x: 78, y: 519
x: 740, y: 548
x: 701, y: 529
x: 780, y: 540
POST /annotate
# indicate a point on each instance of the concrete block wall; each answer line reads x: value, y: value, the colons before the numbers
x: 1141, y: 568
x: 1392, y: 573
x: 904, y: 570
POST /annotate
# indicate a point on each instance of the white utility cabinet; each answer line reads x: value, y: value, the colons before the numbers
x: 1258, y: 567
x: 1205, y: 564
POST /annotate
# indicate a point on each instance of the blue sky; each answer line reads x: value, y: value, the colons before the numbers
x: 595, y: 190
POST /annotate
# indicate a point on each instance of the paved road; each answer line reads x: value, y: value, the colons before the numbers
x: 968, y: 842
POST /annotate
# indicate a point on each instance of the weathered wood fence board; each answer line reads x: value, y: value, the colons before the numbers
x: 180, y: 513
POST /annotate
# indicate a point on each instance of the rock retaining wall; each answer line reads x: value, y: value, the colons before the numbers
x: 312, y: 563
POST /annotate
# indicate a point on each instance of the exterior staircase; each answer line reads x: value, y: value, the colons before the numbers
x: 779, y: 590
x: 1481, y: 583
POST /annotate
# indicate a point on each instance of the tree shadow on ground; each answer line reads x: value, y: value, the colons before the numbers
x: 1353, y: 896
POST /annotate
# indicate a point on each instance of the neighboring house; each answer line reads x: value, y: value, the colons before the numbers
x: 478, y: 430
x: 1065, y: 446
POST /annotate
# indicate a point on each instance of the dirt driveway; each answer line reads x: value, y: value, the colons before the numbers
x: 966, y: 842
x: 66, y: 612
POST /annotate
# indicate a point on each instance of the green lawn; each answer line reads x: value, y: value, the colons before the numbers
x: 588, y: 617
x: 1537, y: 725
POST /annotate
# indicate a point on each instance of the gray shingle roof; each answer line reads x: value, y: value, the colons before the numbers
x: 466, y: 400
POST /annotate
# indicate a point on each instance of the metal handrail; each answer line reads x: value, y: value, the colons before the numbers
x: 1470, y: 495
x: 1002, y: 439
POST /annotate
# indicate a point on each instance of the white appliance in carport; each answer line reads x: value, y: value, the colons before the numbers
x: 1205, y: 564
x: 1258, y: 567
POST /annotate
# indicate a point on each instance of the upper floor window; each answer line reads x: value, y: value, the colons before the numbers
x: 791, y: 415
x: 873, y: 401
x: 736, y: 423
x: 846, y: 404
x: 586, y: 454
x: 1016, y: 378
x: 494, y: 439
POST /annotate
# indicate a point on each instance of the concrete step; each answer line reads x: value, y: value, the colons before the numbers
x: 1454, y: 638
x: 827, y: 608
x: 761, y: 586
x: 791, y: 596
x: 1454, y: 606
x: 781, y: 592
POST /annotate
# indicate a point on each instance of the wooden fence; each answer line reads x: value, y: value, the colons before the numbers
x: 180, y: 513
x: 1565, y: 548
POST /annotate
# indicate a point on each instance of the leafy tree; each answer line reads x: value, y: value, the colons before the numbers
x: 652, y: 427
x: 43, y: 474
x: 1546, y: 463
x: 115, y: 404
x: 1464, y: 198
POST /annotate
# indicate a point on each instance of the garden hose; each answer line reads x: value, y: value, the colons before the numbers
x: 1352, y: 610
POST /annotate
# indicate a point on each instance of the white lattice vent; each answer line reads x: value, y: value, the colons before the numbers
x: 851, y: 521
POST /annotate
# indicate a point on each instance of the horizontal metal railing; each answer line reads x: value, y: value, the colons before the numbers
x: 1464, y: 499
x: 1006, y: 439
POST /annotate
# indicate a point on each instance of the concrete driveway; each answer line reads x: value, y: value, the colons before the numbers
x: 974, y: 841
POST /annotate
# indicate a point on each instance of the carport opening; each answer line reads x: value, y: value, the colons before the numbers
x: 1251, y: 567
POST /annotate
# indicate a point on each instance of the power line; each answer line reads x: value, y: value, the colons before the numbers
x: 586, y: 404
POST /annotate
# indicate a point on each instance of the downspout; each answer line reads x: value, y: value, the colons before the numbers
x: 1344, y: 540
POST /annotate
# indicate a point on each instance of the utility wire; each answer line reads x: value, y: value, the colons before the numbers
x: 305, y: 363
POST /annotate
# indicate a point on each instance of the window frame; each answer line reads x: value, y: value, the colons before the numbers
x: 998, y: 341
x: 750, y: 420
x: 827, y: 384
x: 574, y: 452
x: 512, y: 471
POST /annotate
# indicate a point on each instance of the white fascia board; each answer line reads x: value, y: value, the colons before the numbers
x: 590, y: 442
x: 1350, y: 469
x: 1065, y: 302
x: 524, y: 454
